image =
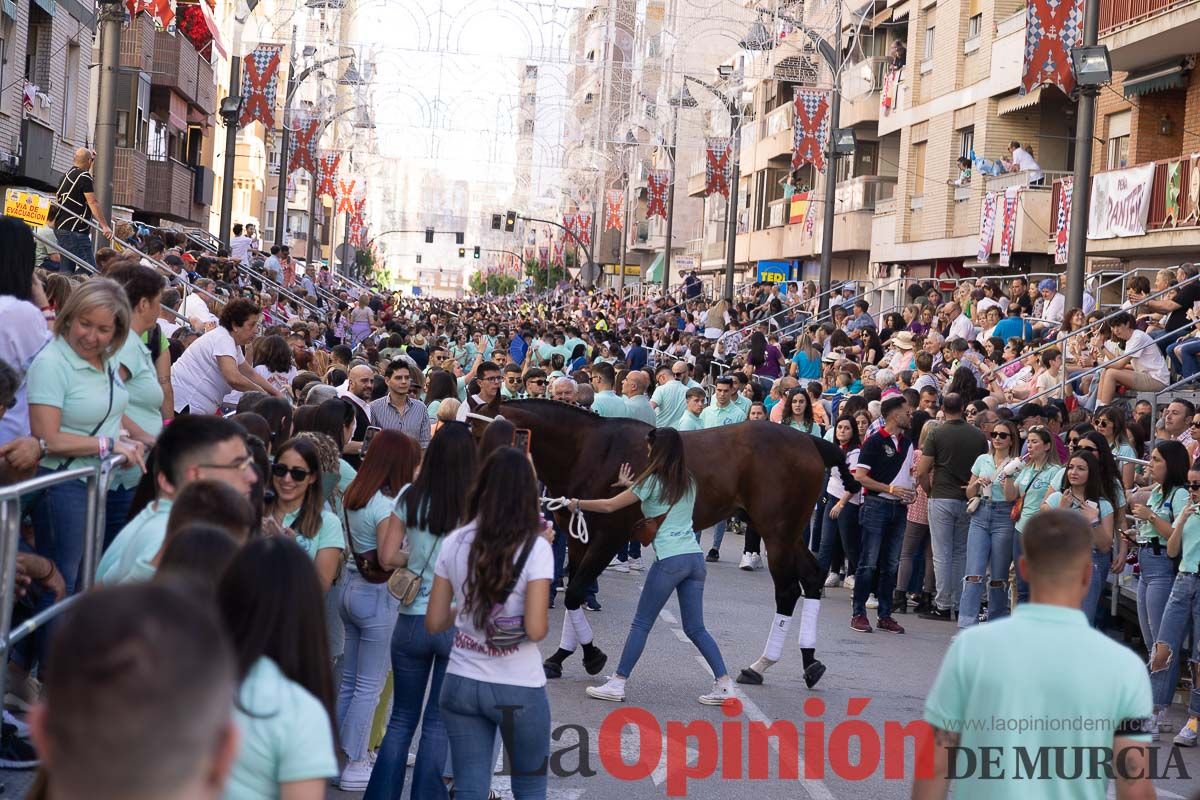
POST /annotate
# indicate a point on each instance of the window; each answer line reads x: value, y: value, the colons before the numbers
x: 158, y: 143
x: 974, y: 19
x: 531, y: 71
x: 1116, y: 146
x: 5, y: 31
x: 966, y: 141
x: 587, y: 99
x: 70, y: 93
x: 927, y: 53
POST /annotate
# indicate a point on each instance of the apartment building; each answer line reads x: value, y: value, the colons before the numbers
x: 45, y: 50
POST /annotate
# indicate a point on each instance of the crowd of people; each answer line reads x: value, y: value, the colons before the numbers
x: 316, y: 432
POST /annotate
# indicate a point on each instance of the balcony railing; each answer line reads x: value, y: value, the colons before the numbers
x: 1118, y: 13
x: 169, y: 189
x: 1156, y: 220
x: 863, y: 193
x: 137, y: 45
x: 864, y: 77
x: 998, y: 183
x: 175, y: 64
x: 778, y: 120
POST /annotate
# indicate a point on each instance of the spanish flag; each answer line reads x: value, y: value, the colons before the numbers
x: 798, y: 207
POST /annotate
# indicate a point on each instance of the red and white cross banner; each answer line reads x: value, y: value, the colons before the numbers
x: 656, y: 193
x: 304, y: 146
x: 260, y: 83
x: 716, y: 168
x: 614, y: 203
x: 583, y: 229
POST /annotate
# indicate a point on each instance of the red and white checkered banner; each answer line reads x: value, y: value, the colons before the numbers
x: 327, y: 167
x: 358, y: 224
x: 717, y: 167
x: 987, y: 225
x: 159, y: 10
x: 345, y: 197
x: 614, y: 204
x: 810, y: 132
x: 656, y: 193
x: 583, y: 229
x: 1052, y: 29
x: 1062, y: 220
x: 1008, y: 233
x: 304, y: 144
x: 260, y: 84
x: 557, y: 248
x: 572, y: 225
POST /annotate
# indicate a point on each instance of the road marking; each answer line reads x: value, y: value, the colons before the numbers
x: 667, y: 617
x: 680, y: 635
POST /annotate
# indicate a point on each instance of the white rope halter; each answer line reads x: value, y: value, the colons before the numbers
x: 577, y: 528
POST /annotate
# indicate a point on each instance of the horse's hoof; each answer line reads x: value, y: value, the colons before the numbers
x: 552, y: 669
x: 595, y: 662
x: 813, y: 673
x: 750, y: 676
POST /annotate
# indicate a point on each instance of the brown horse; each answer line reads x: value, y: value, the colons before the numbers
x: 773, y: 472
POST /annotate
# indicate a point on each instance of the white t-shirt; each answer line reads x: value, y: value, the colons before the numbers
x: 22, y: 336
x: 961, y: 328
x: 194, y: 307
x: 472, y: 657
x: 196, y: 378
x: 239, y: 249
x: 1149, y: 359
x: 1054, y: 309
x: 280, y: 380
x: 1025, y: 162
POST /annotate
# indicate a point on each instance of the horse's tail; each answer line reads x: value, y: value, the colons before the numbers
x: 835, y: 458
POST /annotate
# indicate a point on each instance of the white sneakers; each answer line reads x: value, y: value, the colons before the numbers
x: 750, y: 562
x: 635, y: 564
x: 872, y: 602
x: 618, y: 566
x: 356, y: 775
x: 722, y: 690
x: 833, y: 580
x: 848, y: 583
x: 613, y: 690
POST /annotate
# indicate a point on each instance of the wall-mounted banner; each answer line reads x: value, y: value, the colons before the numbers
x: 1120, y: 202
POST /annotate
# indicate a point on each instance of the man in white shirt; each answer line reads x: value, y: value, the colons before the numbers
x: 1053, y: 305
x: 960, y: 325
x: 239, y: 246
x: 1023, y: 161
x: 1143, y: 370
x: 196, y: 310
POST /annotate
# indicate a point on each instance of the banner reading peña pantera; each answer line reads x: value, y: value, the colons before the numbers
x: 1120, y: 202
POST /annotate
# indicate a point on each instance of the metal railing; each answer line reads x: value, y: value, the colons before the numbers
x: 97, y: 478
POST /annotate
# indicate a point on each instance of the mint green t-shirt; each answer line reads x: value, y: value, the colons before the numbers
x: 286, y: 735
x: 145, y: 398
x: 127, y: 559
x: 1106, y: 508
x: 985, y: 467
x: 1167, y: 508
x: 58, y: 377
x: 329, y: 535
x: 364, y: 521
x: 689, y: 422
x: 608, y: 404
x: 670, y: 404
x: 676, y: 535
x: 423, y: 550
x: 1074, y: 675
x: 1033, y: 484
x: 1191, y: 544
x: 714, y: 416
x: 813, y: 429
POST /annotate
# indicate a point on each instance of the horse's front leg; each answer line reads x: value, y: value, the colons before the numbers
x: 586, y: 562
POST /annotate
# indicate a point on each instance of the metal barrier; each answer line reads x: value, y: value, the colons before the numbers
x: 97, y: 479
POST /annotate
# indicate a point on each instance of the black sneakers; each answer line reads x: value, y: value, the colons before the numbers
x: 713, y: 555
x: 943, y: 614
x: 15, y: 752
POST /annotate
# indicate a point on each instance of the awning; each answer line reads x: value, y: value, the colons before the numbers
x: 9, y: 8
x: 1017, y: 102
x: 44, y: 5
x: 881, y: 17
x: 1158, y: 78
x: 654, y: 274
x: 901, y: 11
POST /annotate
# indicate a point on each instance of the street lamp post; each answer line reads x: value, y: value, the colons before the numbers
x: 683, y: 99
x: 1092, y: 68
x: 111, y: 17
x: 231, y: 111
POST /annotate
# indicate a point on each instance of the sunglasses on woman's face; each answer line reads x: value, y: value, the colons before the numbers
x: 298, y: 474
x: 1195, y: 487
x: 1091, y: 448
x: 1000, y: 435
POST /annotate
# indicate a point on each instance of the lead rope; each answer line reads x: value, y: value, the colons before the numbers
x: 577, y: 528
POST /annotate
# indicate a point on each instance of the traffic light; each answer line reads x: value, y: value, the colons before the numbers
x: 429, y: 236
x: 462, y: 252
x: 477, y: 251
x: 510, y: 221
x: 497, y: 221
x: 459, y: 237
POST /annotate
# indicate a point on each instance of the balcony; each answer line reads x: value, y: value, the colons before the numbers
x: 696, y: 181
x: 774, y: 139
x: 129, y: 178
x: 1143, y: 32
x: 1168, y: 231
x: 137, y: 44
x: 861, y: 86
x: 176, y: 64
x: 206, y: 88
x: 998, y: 183
x: 169, y: 189
x: 863, y: 193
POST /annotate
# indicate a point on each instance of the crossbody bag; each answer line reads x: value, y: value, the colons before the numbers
x: 508, y: 632
x: 111, y: 381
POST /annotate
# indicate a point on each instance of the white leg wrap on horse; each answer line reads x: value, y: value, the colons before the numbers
x: 776, y: 638
x: 808, y: 622
x: 568, y: 641
x: 583, y: 628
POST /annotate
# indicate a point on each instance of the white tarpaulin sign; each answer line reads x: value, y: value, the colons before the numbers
x: 1120, y: 202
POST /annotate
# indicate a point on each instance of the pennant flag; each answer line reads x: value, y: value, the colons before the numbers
x: 1193, y: 212
x: 304, y: 141
x: 1062, y: 220
x: 614, y: 202
x: 810, y: 131
x: 987, y: 226
x: 327, y: 167
x: 656, y: 193
x: 1052, y: 29
x: 717, y: 167
x: 810, y: 217
x: 1009, y: 231
x: 345, y: 198
x: 260, y: 82
x: 1174, y: 205
x: 583, y: 229
x: 159, y: 10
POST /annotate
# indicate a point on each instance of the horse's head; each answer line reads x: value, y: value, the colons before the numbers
x: 481, y: 415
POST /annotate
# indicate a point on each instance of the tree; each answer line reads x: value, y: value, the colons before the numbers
x: 537, y: 271
x: 498, y: 284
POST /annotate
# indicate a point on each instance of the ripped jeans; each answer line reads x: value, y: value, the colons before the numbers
x: 1182, y: 612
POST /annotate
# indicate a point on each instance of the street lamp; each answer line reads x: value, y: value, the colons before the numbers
x: 231, y: 110
x: 1091, y: 66
x: 844, y: 141
x: 682, y: 99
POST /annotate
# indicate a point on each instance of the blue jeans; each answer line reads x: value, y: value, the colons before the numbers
x: 718, y: 534
x: 59, y: 516
x: 559, y: 548
x: 948, y: 526
x: 1164, y: 339
x: 473, y: 711
x: 883, y: 523
x: 1155, y: 581
x: 418, y: 658
x: 841, y: 535
x: 1100, y: 566
x: 1184, y: 354
x: 989, y: 545
x: 1181, y: 615
x: 369, y: 613
x: 683, y: 574
x: 77, y: 244
x: 631, y: 549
